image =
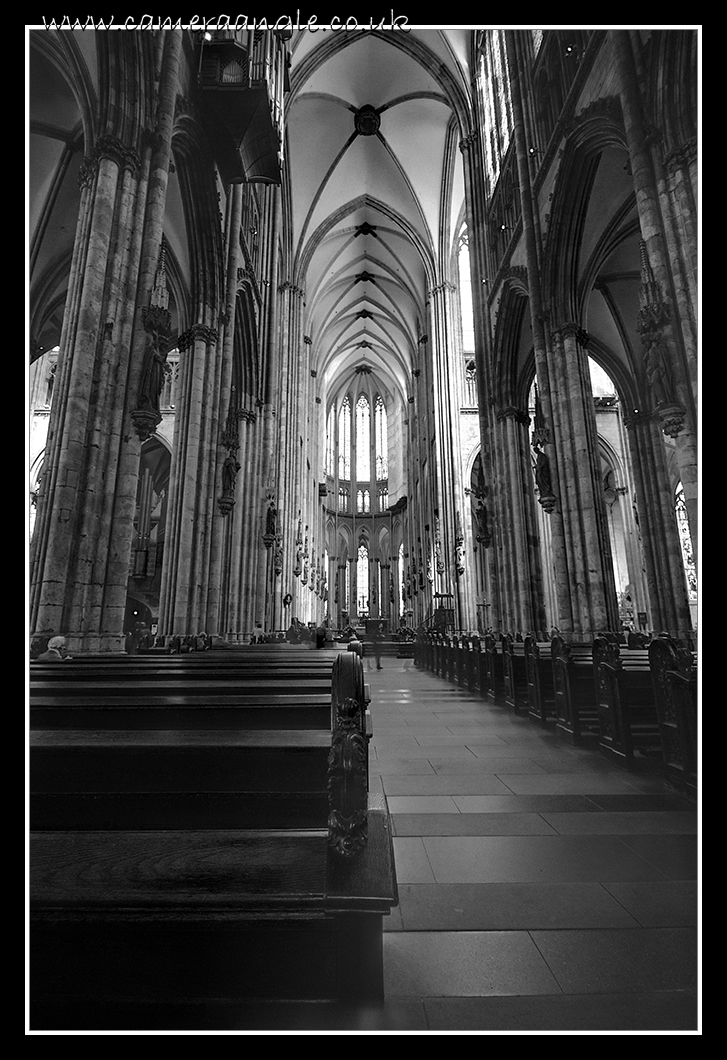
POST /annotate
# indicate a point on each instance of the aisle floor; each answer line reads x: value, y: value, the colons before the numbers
x: 541, y: 887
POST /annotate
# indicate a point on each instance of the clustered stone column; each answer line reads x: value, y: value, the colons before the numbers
x: 193, y: 489
x: 83, y: 537
x: 668, y: 601
x: 590, y: 563
x: 660, y: 197
x: 522, y: 607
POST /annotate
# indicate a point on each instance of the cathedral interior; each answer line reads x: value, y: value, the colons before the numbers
x: 375, y: 324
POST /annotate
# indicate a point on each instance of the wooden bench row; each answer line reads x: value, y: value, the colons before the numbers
x: 214, y: 861
x: 625, y: 701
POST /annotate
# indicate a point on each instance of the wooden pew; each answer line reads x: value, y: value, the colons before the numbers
x: 474, y: 665
x: 215, y: 866
x: 674, y: 675
x: 574, y: 691
x: 514, y: 674
x: 539, y: 677
x: 182, y: 692
x: 461, y: 648
x: 493, y: 684
x: 626, y: 706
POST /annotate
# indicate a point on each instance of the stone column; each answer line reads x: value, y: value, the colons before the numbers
x: 590, y: 562
x: 672, y: 327
x: 664, y: 568
x: 549, y: 456
x: 185, y: 577
x: 522, y: 606
x: 227, y: 452
x: 476, y: 207
x: 450, y: 487
x: 289, y: 430
x: 81, y: 546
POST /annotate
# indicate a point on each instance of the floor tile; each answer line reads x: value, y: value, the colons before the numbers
x: 421, y: 804
x: 665, y: 1011
x: 470, y: 824
x: 671, y: 903
x: 510, y: 907
x: 562, y: 783
x: 535, y: 859
x: 658, y: 801
x: 674, y: 855
x: 457, y: 754
x: 400, y: 766
x: 457, y: 741
x: 602, y: 962
x: 442, y: 784
x: 622, y: 823
x: 412, y: 863
x: 493, y: 763
x: 463, y: 964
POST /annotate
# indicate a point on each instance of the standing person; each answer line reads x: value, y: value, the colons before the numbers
x: 55, y: 652
x: 376, y: 638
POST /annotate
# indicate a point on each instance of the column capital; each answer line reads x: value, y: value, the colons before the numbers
x: 511, y: 412
x: 468, y: 140
x: 682, y: 156
x: 287, y: 286
x: 197, y: 332
x: 637, y: 418
x: 111, y: 147
x: 446, y: 286
x: 572, y: 330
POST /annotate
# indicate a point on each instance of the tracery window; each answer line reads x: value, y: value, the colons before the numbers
x: 383, y: 498
x: 344, y: 439
x: 363, y: 439
x: 498, y: 119
x: 330, y: 441
x: 342, y: 499
x: 362, y: 579
x: 363, y: 501
x: 465, y: 295
x: 382, y: 441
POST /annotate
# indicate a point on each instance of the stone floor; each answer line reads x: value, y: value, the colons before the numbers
x: 541, y: 888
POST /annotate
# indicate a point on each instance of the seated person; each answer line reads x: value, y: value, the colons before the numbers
x: 55, y: 652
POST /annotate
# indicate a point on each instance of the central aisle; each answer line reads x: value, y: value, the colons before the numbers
x: 541, y: 888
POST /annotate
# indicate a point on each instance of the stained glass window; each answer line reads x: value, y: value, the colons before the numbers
x: 344, y: 439
x: 330, y: 441
x: 685, y: 537
x: 362, y: 579
x: 382, y: 440
x: 363, y: 439
x: 465, y: 296
x: 498, y: 120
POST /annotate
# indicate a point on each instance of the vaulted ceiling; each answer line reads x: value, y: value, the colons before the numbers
x: 374, y: 191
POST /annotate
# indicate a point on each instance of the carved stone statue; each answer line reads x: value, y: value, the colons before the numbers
x: 658, y: 371
x: 542, y: 473
x: 483, y: 531
x: 229, y: 474
x: 271, y: 523
x: 153, y: 372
